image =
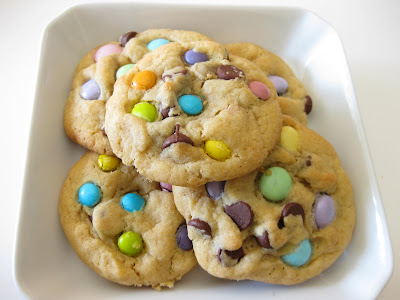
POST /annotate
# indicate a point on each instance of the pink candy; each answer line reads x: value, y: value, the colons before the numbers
x: 107, y: 50
x: 260, y: 90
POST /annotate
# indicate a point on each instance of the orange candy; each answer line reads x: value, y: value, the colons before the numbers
x: 144, y: 80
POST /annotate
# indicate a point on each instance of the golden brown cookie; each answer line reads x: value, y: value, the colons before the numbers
x: 122, y: 225
x: 282, y: 224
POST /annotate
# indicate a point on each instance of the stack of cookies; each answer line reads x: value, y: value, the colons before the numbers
x: 199, y: 153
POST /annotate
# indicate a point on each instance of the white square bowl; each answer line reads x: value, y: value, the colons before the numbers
x: 46, y: 267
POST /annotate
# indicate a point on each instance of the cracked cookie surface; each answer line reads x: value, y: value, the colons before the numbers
x: 94, y: 79
x: 122, y: 225
x: 186, y: 114
x: 282, y: 224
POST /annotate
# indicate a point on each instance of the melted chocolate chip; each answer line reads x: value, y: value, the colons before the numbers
x: 126, y: 37
x: 228, y: 72
x: 165, y: 112
x: 164, y: 77
x: 241, y: 214
x: 263, y: 240
x: 176, y: 138
x: 200, y: 225
x: 182, y: 238
x: 294, y: 209
x: 234, y: 255
x: 215, y: 189
x: 308, y: 105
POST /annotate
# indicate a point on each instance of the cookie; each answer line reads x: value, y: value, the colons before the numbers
x: 122, y: 225
x: 282, y: 224
x: 185, y: 114
x: 94, y: 80
x: 293, y: 97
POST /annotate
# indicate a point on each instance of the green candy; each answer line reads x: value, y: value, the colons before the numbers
x: 130, y: 243
x: 275, y: 184
x: 124, y: 69
x: 145, y: 111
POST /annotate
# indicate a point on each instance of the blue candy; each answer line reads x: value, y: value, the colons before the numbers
x: 89, y: 194
x: 132, y: 202
x: 190, y: 104
x: 154, y: 44
x: 193, y: 57
x: 300, y: 256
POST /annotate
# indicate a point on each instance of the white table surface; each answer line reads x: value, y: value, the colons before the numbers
x: 370, y: 34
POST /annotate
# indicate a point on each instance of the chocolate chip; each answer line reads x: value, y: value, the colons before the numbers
x: 263, y: 240
x: 176, y: 138
x: 228, y: 72
x: 104, y: 131
x: 308, y: 105
x: 308, y: 161
x: 126, y: 37
x: 200, y: 225
x: 165, y: 112
x: 241, y: 214
x: 182, y: 238
x: 294, y: 209
x: 164, y: 77
x: 215, y: 189
x: 90, y: 218
x: 230, y: 258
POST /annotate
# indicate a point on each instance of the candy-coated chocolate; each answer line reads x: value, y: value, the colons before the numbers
x: 308, y: 105
x: 132, y: 202
x: 324, y: 210
x: 260, y: 90
x: 300, y: 256
x: 217, y: 150
x: 182, y: 238
x: 154, y: 44
x: 280, y: 84
x: 166, y: 187
x: 144, y: 80
x: 126, y: 37
x: 289, y: 138
x: 108, y: 163
x: 215, y: 189
x: 192, y: 57
x: 90, y: 90
x: 275, y: 184
x: 145, y: 111
x: 89, y: 194
x: 130, y: 243
x: 124, y: 69
x: 106, y: 50
x: 190, y: 104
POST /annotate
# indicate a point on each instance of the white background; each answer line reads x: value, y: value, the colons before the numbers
x: 370, y: 34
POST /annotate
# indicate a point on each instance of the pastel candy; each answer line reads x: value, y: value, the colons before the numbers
x: 260, y: 90
x: 324, y: 210
x: 154, y: 44
x: 108, y: 163
x: 182, y: 238
x: 190, y: 104
x: 215, y: 189
x: 132, y: 202
x: 106, y: 50
x: 130, y: 243
x: 144, y: 80
x: 145, y: 111
x: 124, y: 69
x: 166, y: 187
x: 280, y: 84
x: 89, y: 194
x: 300, y: 256
x: 90, y: 90
x: 217, y: 150
x: 289, y: 138
x: 192, y: 57
x: 275, y: 184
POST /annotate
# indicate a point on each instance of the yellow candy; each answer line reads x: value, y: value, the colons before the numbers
x: 217, y: 150
x: 108, y: 163
x: 144, y: 80
x: 289, y: 139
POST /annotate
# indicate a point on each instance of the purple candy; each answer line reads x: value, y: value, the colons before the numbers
x: 280, y: 84
x: 193, y: 57
x: 90, y: 90
x: 324, y: 210
x: 166, y: 187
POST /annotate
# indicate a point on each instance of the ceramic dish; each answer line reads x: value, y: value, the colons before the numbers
x: 46, y: 267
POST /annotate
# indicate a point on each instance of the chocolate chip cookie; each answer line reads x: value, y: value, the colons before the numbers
x: 282, y: 224
x: 122, y: 225
x: 185, y: 114
x: 293, y: 97
x: 94, y: 80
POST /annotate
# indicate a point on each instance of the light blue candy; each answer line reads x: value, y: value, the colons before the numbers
x: 300, y: 256
x: 132, y: 202
x: 154, y: 44
x: 190, y: 104
x: 89, y: 194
